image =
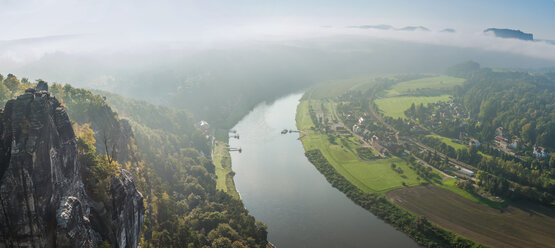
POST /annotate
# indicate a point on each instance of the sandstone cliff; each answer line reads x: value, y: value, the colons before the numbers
x: 42, y: 197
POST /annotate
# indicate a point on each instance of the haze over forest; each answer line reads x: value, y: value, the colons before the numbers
x: 172, y: 111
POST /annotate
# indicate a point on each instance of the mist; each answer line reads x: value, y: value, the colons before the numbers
x: 206, y: 55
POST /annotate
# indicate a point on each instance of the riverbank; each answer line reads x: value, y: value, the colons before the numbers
x: 281, y: 188
x: 355, y: 126
x: 224, y: 173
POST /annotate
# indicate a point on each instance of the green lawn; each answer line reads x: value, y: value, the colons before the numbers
x: 438, y: 83
x: 449, y: 142
x: 396, y: 106
x: 224, y: 174
x: 371, y: 176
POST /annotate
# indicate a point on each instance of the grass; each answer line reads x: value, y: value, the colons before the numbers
x: 224, y: 174
x: 396, y: 106
x: 521, y: 225
x: 370, y: 176
x: 448, y: 141
x: 304, y: 122
x: 436, y: 83
x: 450, y: 184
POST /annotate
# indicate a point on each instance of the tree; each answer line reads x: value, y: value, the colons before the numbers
x: 529, y: 132
x: 221, y: 242
x: 5, y: 93
x: 12, y: 82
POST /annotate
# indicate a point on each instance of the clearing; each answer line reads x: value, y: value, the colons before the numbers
x: 396, y: 106
x: 448, y: 141
x: 224, y: 174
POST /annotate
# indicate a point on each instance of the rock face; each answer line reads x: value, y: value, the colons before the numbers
x: 42, y: 197
x: 510, y: 33
x: 127, y: 210
x: 41, y: 193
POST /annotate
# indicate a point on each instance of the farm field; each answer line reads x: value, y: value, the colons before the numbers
x: 438, y: 83
x: 510, y: 227
x: 224, y: 174
x: 395, y: 106
x: 375, y: 176
x: 449, y: 184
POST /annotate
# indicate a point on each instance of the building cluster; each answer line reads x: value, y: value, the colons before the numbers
x: 540, y: 152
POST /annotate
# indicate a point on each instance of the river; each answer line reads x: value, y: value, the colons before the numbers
x: 281, y: 188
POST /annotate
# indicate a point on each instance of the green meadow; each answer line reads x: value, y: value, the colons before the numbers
x: 224, y: 174
x: 448, y: 141
x: 437, y: 83
x: 396, y: 106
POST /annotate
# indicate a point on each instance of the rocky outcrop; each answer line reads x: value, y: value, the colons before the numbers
x: 127, y: 209
x: 43, y: 203
x: 42, y: 197
x: 509, y: 33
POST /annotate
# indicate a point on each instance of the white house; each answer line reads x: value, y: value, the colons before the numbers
x: 540, y: 152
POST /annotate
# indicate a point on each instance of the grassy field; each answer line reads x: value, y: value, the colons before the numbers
x: 224, y: 174
x: 448, y: 141
x: 396, y: 106
x: 449, y: 184
x: 371, y: 176
x: 437, y: 83
x: 514, y: 226
x: 304, y: 122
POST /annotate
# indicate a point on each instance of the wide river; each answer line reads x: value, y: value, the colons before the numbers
x: 281, y: 188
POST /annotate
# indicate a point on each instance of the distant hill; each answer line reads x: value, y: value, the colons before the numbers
x: 414, y: 28
x: 448, y: 30
x: 381, y: 27
x: 510, y: 33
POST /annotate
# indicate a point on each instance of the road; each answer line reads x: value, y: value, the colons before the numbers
x: 365, y: 143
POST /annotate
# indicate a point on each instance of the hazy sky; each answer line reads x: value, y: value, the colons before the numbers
x: 24, y: 19
x: 133, y: 23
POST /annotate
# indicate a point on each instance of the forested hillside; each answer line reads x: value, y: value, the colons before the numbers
x: 522, y: 103
x: 163, y: 150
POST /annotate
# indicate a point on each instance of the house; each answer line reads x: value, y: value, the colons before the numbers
x: 357, y: 128
x: 204, y: 125
x: 501, y: 141
x: 540, y: 152
x: 499, y: 131
x: 474, y: 142
x: 514, y: 144
x: 360, y: 120
x: 466, y: 172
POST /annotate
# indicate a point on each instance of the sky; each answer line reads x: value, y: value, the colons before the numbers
x: 87, y: 25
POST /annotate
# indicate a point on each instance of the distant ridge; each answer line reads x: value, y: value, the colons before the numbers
x: 414, y: 28
x: 448, y: 30
x: 510, y: 33
x: 389, y: 27
x: 381, y: 27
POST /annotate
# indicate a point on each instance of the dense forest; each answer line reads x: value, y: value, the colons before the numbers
x: 166, y: 154
x: 522, y: 103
